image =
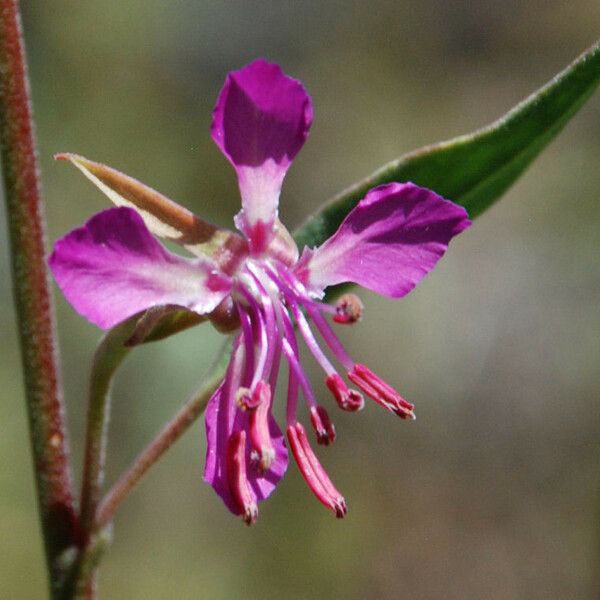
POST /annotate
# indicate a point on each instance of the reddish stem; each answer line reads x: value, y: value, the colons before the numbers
x: 34, y: 306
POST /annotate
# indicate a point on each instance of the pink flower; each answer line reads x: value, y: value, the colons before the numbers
x: 112, y: 268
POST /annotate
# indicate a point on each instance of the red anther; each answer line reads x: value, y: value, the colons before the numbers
x: 347, y: 399
x: 349, y: 309
x: 377, y: 389
x: 260, y: 436
x: 313, y: 472
x: 322, y: 425
x: 237, y: 479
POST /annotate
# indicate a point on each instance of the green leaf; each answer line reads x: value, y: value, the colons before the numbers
x: 476, y: 169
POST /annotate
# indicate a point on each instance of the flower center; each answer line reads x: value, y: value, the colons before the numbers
x: 272, y: 306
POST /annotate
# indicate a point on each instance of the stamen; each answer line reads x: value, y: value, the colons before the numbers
x: 258, y: 331
x: 235, y: 368
x: 313, y: 472
x: 237, y: 479
x: 292, y: 397
x: 322, y: 425
x: 346, y: 398
x: 296, y: 367
x: 231, y: 385
x: 248, y: 339
x: 263, y: 349
x: 291, y: 353
x: 303, y: 325
x: 349, y: 309
x: 274, y: 374
x: 268, y: 301
x: 290, y: 349
x: 329, y: 336
x: 260, y: 436
x: 377, y: 389
x: 310, y: 340
x: 323, y: 307
x: 292, y: 288
x: 272, y: 303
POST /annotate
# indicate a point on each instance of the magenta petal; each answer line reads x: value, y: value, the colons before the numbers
x: 387, y: 243
x: 221, y: 419
x: 260, y: 122
x: 112, y: 268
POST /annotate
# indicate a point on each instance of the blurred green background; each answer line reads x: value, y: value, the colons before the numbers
x: 493, y: 492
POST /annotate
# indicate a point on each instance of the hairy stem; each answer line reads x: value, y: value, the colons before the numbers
x: 108, y: 357
x: 80, y: 578
x: 32, y: 298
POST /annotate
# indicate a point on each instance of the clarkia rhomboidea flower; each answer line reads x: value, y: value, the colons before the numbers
x: 113, y: 268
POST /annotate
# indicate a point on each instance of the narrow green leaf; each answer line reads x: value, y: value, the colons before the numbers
x: 476, y: 169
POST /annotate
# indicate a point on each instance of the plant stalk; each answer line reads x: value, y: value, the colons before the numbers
x: 108, y: 357
x: 34, y: 307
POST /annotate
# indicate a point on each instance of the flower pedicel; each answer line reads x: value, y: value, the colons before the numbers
x: 113, y: 268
